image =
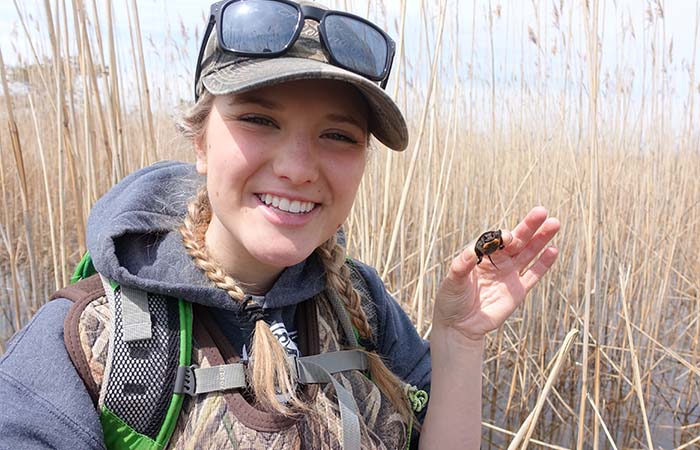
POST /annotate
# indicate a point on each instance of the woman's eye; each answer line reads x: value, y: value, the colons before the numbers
x: 259, y: 120
x: 340, y: 137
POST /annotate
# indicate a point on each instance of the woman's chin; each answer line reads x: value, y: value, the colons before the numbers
x: 283, y: 257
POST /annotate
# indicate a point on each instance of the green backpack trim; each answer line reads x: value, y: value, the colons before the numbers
x: 166, y: 430
x: 86, y: 269
x: 118, y: 435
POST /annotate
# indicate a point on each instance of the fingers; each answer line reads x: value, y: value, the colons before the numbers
x: 524, y: 231
x: 507, y: 237
x: 541, y: 238
x: 497, y: 256
x: 537, y: 271
x: 468, y: 258
x: 463, y: 264
x: 523, y: 244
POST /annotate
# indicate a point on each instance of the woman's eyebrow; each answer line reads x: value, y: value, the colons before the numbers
x: 343, y: 118
x: 250, y: 97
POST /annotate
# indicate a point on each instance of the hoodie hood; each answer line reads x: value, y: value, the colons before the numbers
x: 133, y: 239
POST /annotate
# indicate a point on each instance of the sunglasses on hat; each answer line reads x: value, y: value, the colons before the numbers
x: 269, y: 28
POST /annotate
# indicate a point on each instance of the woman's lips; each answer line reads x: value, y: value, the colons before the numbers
x: 286, y: 204
x: 277, y: 216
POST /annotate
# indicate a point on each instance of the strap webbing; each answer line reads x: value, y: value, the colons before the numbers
x: 232, y: 376
x: 313, y: 369
x: 136, y: 317
x: 219, y: 378
x: 332, y: 362
x: 350, y: 422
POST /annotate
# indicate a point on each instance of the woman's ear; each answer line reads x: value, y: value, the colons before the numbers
x: 201, y: 154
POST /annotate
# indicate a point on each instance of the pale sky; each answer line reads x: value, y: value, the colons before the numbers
x: 161, y: 22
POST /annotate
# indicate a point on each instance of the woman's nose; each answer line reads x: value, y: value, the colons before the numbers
x: 297, y: 161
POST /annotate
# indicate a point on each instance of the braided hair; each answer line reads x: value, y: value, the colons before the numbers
x: 269, y: 372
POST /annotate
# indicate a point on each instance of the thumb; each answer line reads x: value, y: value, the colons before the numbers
x: 462, y: 265
x: 459, y: 277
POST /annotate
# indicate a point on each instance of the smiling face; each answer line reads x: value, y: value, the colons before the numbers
x: 283, y: 164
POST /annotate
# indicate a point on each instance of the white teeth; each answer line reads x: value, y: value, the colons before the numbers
x: 284, y: 204
x: 292, y: 206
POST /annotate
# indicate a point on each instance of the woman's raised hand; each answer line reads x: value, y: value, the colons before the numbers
x: 475, y: 299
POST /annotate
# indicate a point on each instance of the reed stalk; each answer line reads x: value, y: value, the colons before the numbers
x: 590, y: 15
x: 600, y: 420
x: 624, y: 280
x: 17, y: 152
x: 47, y: 193
x: 495, y: 129
x: 416, y: 151
x: 522, y: 437
x: 145, y: 94
x: 377, y: 259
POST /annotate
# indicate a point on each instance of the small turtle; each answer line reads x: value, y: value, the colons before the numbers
x: 488, y: 243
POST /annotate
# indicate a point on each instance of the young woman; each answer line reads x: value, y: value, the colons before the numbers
x: 288, y: 96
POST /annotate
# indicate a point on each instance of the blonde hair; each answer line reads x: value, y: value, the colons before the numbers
x: 268, y: 367
x: 338, y: 276
x: 193, y: 122
x: 270, y: 374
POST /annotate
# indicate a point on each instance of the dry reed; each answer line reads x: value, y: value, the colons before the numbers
x: 611, y: 152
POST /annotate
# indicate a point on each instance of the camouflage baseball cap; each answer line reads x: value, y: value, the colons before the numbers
x: 225, y: 73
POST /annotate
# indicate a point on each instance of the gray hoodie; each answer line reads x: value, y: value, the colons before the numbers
x: 132, y: 239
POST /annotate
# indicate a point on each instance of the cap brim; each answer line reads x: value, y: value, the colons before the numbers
x: 386, y: 122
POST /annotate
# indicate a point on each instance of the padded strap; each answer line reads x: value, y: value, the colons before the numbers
x: 138, y: 387
x: 83, y: 289
x: 81, y: 294
x: 136, y: 317
x: 208, y: 337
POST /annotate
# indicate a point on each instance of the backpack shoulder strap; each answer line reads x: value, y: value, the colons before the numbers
x: 138, y: 402
x: 90, y: 286
x: 81, y: 294
x: 150, y: 340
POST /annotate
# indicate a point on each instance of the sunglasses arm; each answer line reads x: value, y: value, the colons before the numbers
x: 202, y: 48
x: 388, y: 72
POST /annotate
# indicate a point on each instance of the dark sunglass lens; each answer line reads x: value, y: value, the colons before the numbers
x: 258, y: 26
x: 356, y: 45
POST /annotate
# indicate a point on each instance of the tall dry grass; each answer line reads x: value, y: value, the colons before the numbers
x: 610, y: 150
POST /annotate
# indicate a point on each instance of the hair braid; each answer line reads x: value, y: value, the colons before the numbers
x: 338, y: 276
x: 332, y: 256
x: 193, y: 230
x: 269, y: 373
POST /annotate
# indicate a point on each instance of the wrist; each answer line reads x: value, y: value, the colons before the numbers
x: 452, y: 345
x: 457, y: 337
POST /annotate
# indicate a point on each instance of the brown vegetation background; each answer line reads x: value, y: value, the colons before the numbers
x: 613, y: 153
